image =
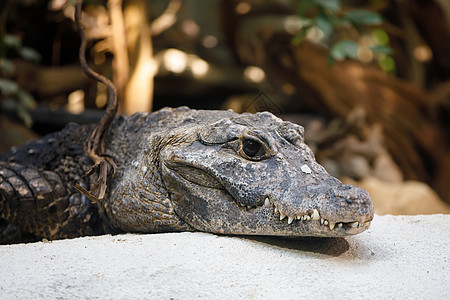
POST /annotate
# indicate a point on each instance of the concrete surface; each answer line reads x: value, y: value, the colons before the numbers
x: 398, y: 257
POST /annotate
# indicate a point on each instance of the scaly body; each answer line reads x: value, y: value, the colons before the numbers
x: 179, y: 170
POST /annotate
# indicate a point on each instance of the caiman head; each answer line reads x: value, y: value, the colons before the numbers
x: 252, y: 174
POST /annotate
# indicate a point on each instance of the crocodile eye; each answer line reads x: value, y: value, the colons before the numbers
x: 252, y: 148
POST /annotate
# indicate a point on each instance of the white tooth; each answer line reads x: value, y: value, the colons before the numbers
x: 325, y: 222
x: 299, y: 217
x: 354, y: 224
x: 304, y: 218
x: 339, y: 225
x: 276, y: 210
x: 315, y: 215
x: 321, y: 221
x: 267, y: 202
x: 248, y: 206
x: 290, y: 219
x: 332, y: 225
x: 282, y: 216
x: 308, y: 217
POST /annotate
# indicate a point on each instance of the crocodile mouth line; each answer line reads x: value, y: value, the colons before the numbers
x: 312, y: 216
x: 308, y: 217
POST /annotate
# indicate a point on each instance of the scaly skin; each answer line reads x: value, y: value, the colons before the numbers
x: 179, y: 170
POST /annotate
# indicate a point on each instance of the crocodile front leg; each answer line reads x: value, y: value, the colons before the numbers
x: 36, y: 203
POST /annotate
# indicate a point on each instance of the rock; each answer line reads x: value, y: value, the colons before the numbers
x: 398, y: 257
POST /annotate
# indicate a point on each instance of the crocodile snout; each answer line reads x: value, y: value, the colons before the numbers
x: 351, y: 203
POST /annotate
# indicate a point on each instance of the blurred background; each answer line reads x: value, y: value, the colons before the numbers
x: 369, y: 80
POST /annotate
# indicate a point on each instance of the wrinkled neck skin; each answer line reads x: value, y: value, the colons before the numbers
x: 139, y: 201
x: 204, y: 178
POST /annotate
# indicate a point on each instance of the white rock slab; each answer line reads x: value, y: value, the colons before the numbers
x: 398, y: 257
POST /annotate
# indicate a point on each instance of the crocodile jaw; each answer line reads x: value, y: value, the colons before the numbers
x: 227, y: 215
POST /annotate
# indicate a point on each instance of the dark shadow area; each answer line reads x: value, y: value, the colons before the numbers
x: 327, y: 246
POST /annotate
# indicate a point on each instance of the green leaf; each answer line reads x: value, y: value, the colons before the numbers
x: 301, y: 35
x: 12, y: 41
x: 331, y: 5
x: 344, y: 49
x: 363, y: 17
x: 26, y: 99
x: 30, y: 54
x: 324, y: 25
x: 380, y: 36
x: 24, y: 115
x: 337, y: 52
x: 382, y: 49
x: 387, y: 63
x: 8, y: 87
x: 6, y: 66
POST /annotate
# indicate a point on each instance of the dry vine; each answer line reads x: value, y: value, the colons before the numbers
x: 95, y: 144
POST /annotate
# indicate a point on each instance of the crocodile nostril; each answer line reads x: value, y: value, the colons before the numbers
x: 346, y: 187
x: 349, y: 194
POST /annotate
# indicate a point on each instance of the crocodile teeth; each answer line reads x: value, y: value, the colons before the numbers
x: 332, y: 225
x: 315, y: 215
x: 248, y: 206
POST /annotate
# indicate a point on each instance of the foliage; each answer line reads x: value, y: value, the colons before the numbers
x: 11, y: 45
x: 341, y: 30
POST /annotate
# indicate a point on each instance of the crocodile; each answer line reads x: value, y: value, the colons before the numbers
x: 178, y: 170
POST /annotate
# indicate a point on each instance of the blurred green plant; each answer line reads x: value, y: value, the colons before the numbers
x: 10, y: 46
x: 343, y: 32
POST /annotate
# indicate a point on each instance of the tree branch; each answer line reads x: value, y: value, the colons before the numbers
x: 120, y: 60
x: 167, y: 18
